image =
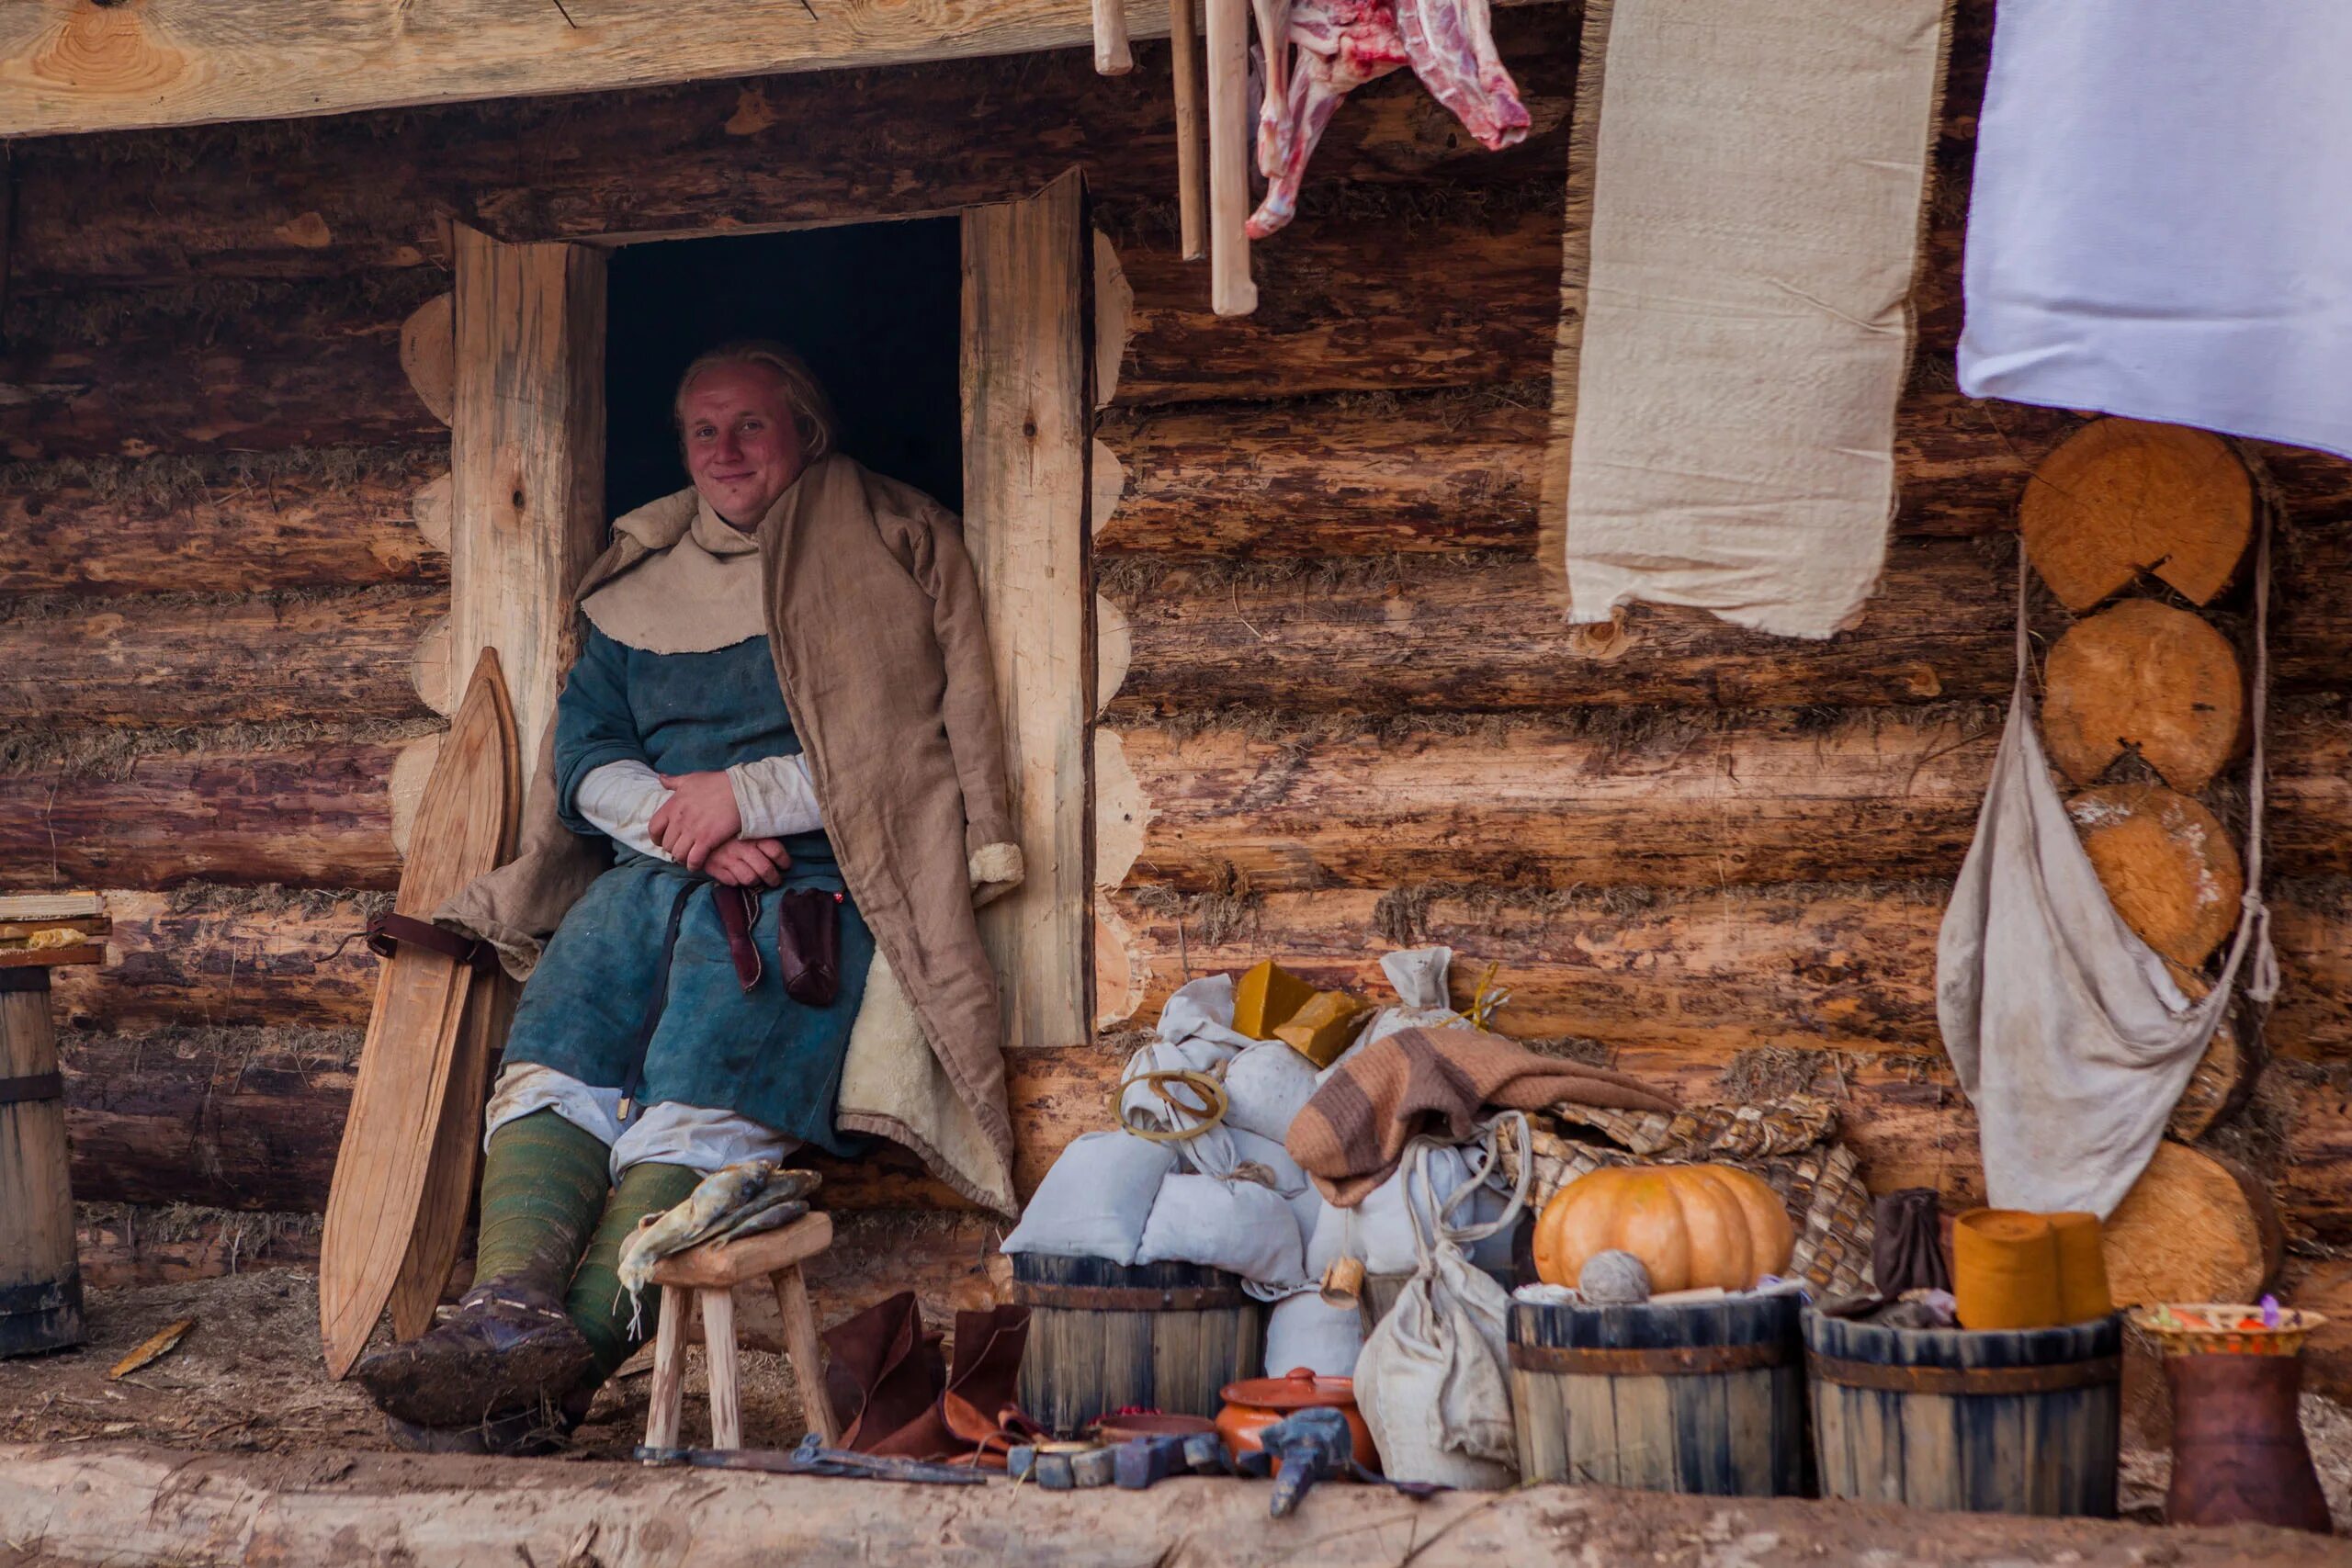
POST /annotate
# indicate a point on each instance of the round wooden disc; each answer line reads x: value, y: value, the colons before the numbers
x: 2121, y: 497
x: 2145, y: 675
x: 2167, y: 863
x: 2188, y: 1231
x: 2223, y: 1074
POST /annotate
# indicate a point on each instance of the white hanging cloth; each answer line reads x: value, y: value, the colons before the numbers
x: 2067, y: 1033
x: 2162, y: 223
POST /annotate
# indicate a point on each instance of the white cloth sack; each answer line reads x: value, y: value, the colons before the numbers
x: 1378, y: 1230
x: 2162, y: 220
x: 1267, y: 1084
x: 1433, y: 1380
x: 1745, y: 184
x: 1239, y: 1227
x: 1096, y: 1200
x: 1302, y: 1331
x: 2069, y: 1037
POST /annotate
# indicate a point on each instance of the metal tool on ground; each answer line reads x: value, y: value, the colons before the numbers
x: 1141, y: 1462
x: 1062, y: 1467
x: 812, y: 1458
x: 1302, y: 1448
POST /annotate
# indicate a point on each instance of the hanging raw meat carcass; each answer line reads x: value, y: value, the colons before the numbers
x: 1315, y: 52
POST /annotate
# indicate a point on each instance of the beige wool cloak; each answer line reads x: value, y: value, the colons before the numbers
x: 873, y: 615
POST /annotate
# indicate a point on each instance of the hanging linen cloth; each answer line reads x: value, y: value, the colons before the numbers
x: 1744, y: 186
x: 2065, y: 1031
x: 2160, y: 225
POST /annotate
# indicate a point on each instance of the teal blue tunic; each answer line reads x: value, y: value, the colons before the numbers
x: 607, y: 1001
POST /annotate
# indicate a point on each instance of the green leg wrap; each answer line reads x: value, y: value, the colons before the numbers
x: 597, y: 1304
x: 543, y: 1181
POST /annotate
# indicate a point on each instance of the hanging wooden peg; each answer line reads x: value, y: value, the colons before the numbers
x: 1183, y: 34
x: 1232, y: 292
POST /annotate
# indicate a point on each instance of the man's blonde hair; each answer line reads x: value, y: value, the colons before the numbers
x: 803, y: 393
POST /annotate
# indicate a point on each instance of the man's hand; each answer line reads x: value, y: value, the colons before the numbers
x: 699, y: 816
x: 749, y: 863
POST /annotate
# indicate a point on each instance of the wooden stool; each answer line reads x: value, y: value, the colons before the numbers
x: 711, y: 1272
x: 40, y: 1277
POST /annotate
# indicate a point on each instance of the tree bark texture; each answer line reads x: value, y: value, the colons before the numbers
x: 155, y: 528
x: 316, y: 367
x: 166, y: 661
x: 225, y: 956
x: 315, y: 814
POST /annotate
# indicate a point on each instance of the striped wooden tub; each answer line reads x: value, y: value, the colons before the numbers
x: 1104, y: 1336
x: 2025, y: 1421
x: 1705, y: 1397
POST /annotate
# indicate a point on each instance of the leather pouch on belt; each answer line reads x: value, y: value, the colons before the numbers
x: 808, y: 942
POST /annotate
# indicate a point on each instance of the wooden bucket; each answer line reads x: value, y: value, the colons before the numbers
x: 1162, y: 1336
x: 40, y: 1278
x: 1704, y: 1397
x: 2002, y: 1421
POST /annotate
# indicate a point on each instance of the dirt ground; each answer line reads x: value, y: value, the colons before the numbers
x: 247, y: 1377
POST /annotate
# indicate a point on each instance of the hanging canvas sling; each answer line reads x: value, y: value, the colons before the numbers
x: 2067, y: 1033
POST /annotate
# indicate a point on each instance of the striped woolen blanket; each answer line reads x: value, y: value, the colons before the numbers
x: 1349, y: 1136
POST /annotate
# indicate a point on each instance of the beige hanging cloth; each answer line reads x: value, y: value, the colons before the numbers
x: 1745, y: 184
x: 2068, y: 1035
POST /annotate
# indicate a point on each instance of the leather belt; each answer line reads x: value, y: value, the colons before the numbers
x: 32, y: 1086
x: 387, y: 930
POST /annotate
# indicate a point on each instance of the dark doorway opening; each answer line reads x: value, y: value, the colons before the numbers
x: 876, y: 308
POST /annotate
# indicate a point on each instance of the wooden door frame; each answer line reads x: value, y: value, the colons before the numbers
x: 526, y: 516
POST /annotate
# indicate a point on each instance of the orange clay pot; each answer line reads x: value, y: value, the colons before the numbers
x: 1691, y: 1225
x: 1255, y: 1403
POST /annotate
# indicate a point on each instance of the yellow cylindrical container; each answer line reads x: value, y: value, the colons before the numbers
x: 2005, y: 1270
x: 2082, y: 1268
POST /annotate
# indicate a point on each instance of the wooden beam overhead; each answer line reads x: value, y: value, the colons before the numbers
x: 70, y: 66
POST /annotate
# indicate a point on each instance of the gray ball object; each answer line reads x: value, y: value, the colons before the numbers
x: 1614, y: 1279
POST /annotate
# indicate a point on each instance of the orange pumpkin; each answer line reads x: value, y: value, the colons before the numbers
x: 1691, y: 1225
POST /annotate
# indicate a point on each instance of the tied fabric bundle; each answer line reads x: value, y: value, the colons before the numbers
x: 1421, y: 1082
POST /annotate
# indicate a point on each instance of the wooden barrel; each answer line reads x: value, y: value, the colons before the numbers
x: 1103, y: 1336
x: 1707, y: 1396
x: 2003, y: 1421
x: 40, y: 1278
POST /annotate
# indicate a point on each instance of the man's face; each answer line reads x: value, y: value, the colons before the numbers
x: 742, y: 447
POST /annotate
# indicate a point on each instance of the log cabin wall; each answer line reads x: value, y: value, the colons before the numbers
x: 1339, y: 713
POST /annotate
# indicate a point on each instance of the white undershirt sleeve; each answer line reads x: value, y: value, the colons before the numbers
x: 775, y: 796
x: 621, y: 798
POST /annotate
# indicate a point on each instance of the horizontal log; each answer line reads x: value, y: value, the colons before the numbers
x: 2315, y: 1175
x: 1681, y: 804
x: 375, y: 191
x: 1413, y: 634
x: 1409, y: 636
x: 311, y: 813
x: 1665, y: 799
x: 315, y: 366
x: 1838, y: 966
x: 120, y: 1245
x: 218, y: 957
x: 171, y: 662
x: 339, y: 520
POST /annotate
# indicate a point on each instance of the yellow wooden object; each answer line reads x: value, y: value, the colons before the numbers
x: 2082, y: 1268
x: 1691, y: 1225
x: 1266, y: 997
x: 2005, y: 1270
x: 1321, y: 1030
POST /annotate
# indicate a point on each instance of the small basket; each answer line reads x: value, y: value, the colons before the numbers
x: 2224, y: 1328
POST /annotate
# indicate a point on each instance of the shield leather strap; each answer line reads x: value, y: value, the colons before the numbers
x: 2055, y: 1378
x: 387, y: 930
x: 1668, y: 1360
x: 1125, y: 1298
x: 34, y: 1086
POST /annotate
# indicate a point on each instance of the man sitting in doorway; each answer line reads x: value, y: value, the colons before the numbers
x: 783, y: 688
